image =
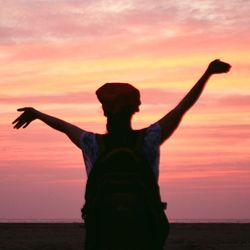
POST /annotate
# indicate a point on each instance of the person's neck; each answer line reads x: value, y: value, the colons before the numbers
x: 118, y: 125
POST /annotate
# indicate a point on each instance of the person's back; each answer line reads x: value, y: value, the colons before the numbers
x: 123, y: 203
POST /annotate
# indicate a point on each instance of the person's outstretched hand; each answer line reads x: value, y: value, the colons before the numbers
x: 217, y: 67
x: 28, y: 115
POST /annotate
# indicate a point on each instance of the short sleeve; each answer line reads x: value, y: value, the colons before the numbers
x: 151, y: 147
x: 89, y: 148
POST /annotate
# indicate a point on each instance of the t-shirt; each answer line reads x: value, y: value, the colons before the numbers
x: 150, y: 148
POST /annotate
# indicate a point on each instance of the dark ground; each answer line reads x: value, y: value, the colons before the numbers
x: 70, y: 236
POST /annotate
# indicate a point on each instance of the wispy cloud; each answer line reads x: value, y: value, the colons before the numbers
x: 73, y: 20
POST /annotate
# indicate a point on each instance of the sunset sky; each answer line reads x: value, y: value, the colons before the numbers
x: 54, y: 54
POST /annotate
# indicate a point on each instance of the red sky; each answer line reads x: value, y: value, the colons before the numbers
x: 55, y: 54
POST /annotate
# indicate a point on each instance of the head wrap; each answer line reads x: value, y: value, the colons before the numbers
x: 117, y: 97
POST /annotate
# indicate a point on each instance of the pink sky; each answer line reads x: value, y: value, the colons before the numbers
x: 55, y: 54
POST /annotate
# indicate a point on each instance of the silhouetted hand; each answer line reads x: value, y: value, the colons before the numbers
x: 217, y: 67
x: 28, y: 115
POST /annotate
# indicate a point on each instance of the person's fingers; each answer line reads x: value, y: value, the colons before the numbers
x: 19, y: 125
x: 20, y: 121
x: 17, y: 119
x: 226, y: 67
x: 221, y: 67
x: 27, y: 124
x: 22, y: 109
x: 217, y: 66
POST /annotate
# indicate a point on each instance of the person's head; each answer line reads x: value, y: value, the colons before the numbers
x: 119, y: 102
x: 118, y: 98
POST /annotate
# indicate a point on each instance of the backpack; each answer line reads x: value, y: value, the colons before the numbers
x: 123, y: 208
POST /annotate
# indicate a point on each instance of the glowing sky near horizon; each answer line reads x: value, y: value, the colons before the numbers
x: 55, y: 54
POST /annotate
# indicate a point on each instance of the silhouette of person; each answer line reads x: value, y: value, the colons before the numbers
x: 119, y: 102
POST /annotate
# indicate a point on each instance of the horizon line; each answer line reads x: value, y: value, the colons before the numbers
x: 46, y: 220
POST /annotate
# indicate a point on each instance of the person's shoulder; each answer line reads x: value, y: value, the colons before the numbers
x: 153, y: 133
x: 88, y: 138
x: 86, y: 133
x: 89, y: 133
x: 153, y: 127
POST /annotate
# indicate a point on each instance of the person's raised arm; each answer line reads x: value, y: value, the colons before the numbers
x: 30, y: 114
x: 171, y: 120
